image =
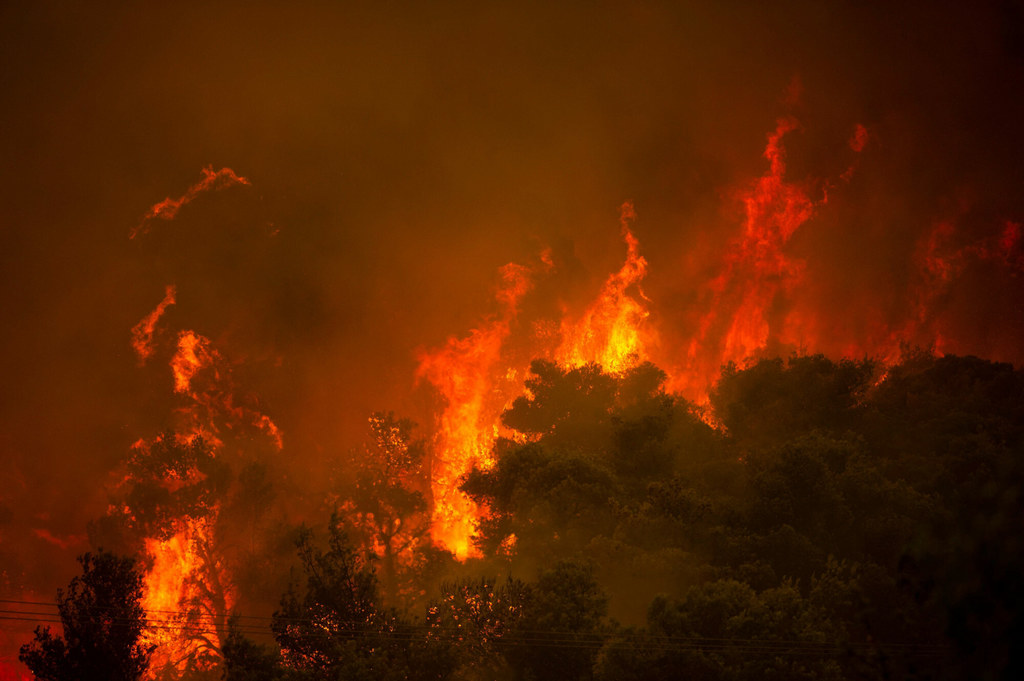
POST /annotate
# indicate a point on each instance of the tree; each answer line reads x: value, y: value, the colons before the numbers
x: 175, y: 486
x: 776, y: 399
x: 245, y: 660
x: 567, y: 407
x: 102, y: 620
x: 725, y: 630
x: 171, y: 479
x: 559, y: 633
x: 336, y: 628
x: 182, y: 492
x: 584, y: 435
x: 472, y: 618
x: 546, y: 629
x: 551, y: 500
x: 320, y: 627
x: 385, y: 506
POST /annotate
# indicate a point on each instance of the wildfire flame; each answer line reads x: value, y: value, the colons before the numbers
x: 939, y: 265
x: 477, y: 383
x: 184, y: 618
x: 186, y: 589
x: 186, y: 592
x: 737, y: 302
x: 745, y: 310
x: 142, y: 333
x: 463, y: 371
x: 194, y: 353
x: 168, y: 208
x: 742, y: 311
x: 612, y: 331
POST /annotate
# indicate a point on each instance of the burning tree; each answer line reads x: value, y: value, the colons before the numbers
x: 186, y: 493
x: 385, y: 506
x: 169, y: 512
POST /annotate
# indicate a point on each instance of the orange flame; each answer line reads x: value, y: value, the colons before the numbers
x: 213, y: 400
x: 477, y: 382
x: 612, y: 331
x: 749, y: 307
x: 194, y: 353
x: 182, y: 618
x: 939, y: 264
x: 164, y: 590
x: 462, y: 371
x: 187, y: 592
x: 860, y: 138
x: 737, y: 320
x: 142, y: 333
x: 168, y: 208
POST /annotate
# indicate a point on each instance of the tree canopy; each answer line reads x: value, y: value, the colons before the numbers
x: 102, y: 623
x: 840, y: 520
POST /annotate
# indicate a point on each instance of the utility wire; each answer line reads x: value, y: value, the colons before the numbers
x: 561, y: 640
x: 521, y: 634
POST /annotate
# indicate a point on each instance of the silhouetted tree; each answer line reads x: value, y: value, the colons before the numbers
x: 245, y: 660
x: 550, y: 628
x: 385, y: 506
x: 558, y: 636
x: 725, y: 630
x: 171, y: 479
x: 846, y: 524
x: 546, y: 498
x: 335, y: 627
x: 569, y: 408
x: 328, y: 621
x: 777, y: 399
x: 102, y: 621
x: 175, y: 485
x: 473, y: 617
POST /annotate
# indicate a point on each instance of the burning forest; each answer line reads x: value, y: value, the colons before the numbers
x: 387, y: 344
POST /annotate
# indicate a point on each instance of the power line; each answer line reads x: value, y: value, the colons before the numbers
x: 570, y: 640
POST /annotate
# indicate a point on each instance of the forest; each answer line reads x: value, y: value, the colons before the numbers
x: 818, y: 519
x: 512, y: 341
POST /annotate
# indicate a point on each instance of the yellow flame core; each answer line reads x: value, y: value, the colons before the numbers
x: 194, y: 353
x: 469, y: 372
x: 181, y: 620
x: 463, y: 372
x: 612, y: 331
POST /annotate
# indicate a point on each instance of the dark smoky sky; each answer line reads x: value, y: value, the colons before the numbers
x: 399, y: 154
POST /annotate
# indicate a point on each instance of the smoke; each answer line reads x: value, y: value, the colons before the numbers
x: 387, y: 163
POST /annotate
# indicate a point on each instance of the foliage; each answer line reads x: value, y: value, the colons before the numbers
x: 847, y: 522
x: 559, y: 633
x: 220, y: 506
x: 726, y: 630
x: 594, y: 442
x: 875, y: 511
x: 774, y: 399
x: 473, y: 617
x: 245, y: 660
x: 335, y: 627
x: 545, y: 629
x: 385, y: 507
x: 571, y: 407
x: 102, y: 622
x: 331, y: 619
x: 172, y: 479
